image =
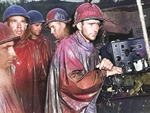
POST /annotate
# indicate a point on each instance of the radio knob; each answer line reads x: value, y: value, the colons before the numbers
x: 118, y: 58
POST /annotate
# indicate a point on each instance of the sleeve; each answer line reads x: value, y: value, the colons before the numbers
x: 73, y: 66
x: 73, y: 82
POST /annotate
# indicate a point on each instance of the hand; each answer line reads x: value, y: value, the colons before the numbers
x: 114, y: 70
x: 105, y: 64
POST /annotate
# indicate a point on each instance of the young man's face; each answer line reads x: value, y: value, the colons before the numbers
x: 36, y: 29
x: 57, y: 29
x: 7, y: 54
x: 89, y: 29
x: 18, y: 25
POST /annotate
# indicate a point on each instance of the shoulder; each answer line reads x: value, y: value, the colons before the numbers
x: 66, y: 43
x: 66, y: 47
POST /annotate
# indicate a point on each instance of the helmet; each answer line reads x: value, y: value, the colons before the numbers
x: 35, y: 17
x: 88, y: 11
x: 15, y: 10
x: 57, y: 14
x: 7, y: 34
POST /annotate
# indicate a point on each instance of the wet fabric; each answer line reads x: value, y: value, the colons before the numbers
x: 57, y: 42
x: 29, y: 75
x: 9, y: 99
x: 73, y: 83
x: 44, y: 45
x: 45, y: 48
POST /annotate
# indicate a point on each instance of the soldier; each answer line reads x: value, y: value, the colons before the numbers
x: 44, y: 44
x: 29, y: 66
x: 76, y: 72
x: 9, y: 100
x: 58, y: 21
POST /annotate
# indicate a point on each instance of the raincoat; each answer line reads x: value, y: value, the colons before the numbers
x: 29, y: 75
x: 73, y: 82
x: 9, y: 99
x: 44, y: 44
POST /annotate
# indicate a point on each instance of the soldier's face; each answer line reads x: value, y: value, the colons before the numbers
x: 18, y: 25
x: 57, y: 29
x: 36, y: 29
x: 89, y: 29
x: 7, y: 55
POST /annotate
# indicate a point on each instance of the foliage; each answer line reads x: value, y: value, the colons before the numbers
x: 3, y: 6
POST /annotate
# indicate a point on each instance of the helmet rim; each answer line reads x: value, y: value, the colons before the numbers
x: 102, y: 20
x: 15, y: 39
x: 46, y: 23
x: 16, y: 14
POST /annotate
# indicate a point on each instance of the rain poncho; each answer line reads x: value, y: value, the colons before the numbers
x: 29, y: 75
x: 44, y: 44
x: 9, y: 100
x: 73, y: 82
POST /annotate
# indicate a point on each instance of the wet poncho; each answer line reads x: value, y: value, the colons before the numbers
x: 44, y: 45
x: 73, y: 82
x: 9, y: 99
x: 29, y: 75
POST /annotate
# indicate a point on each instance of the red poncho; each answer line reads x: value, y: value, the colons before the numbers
x: 29, y: 75
x: 44, y: 45
x: 9, y: 99
x: 73, y: 84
